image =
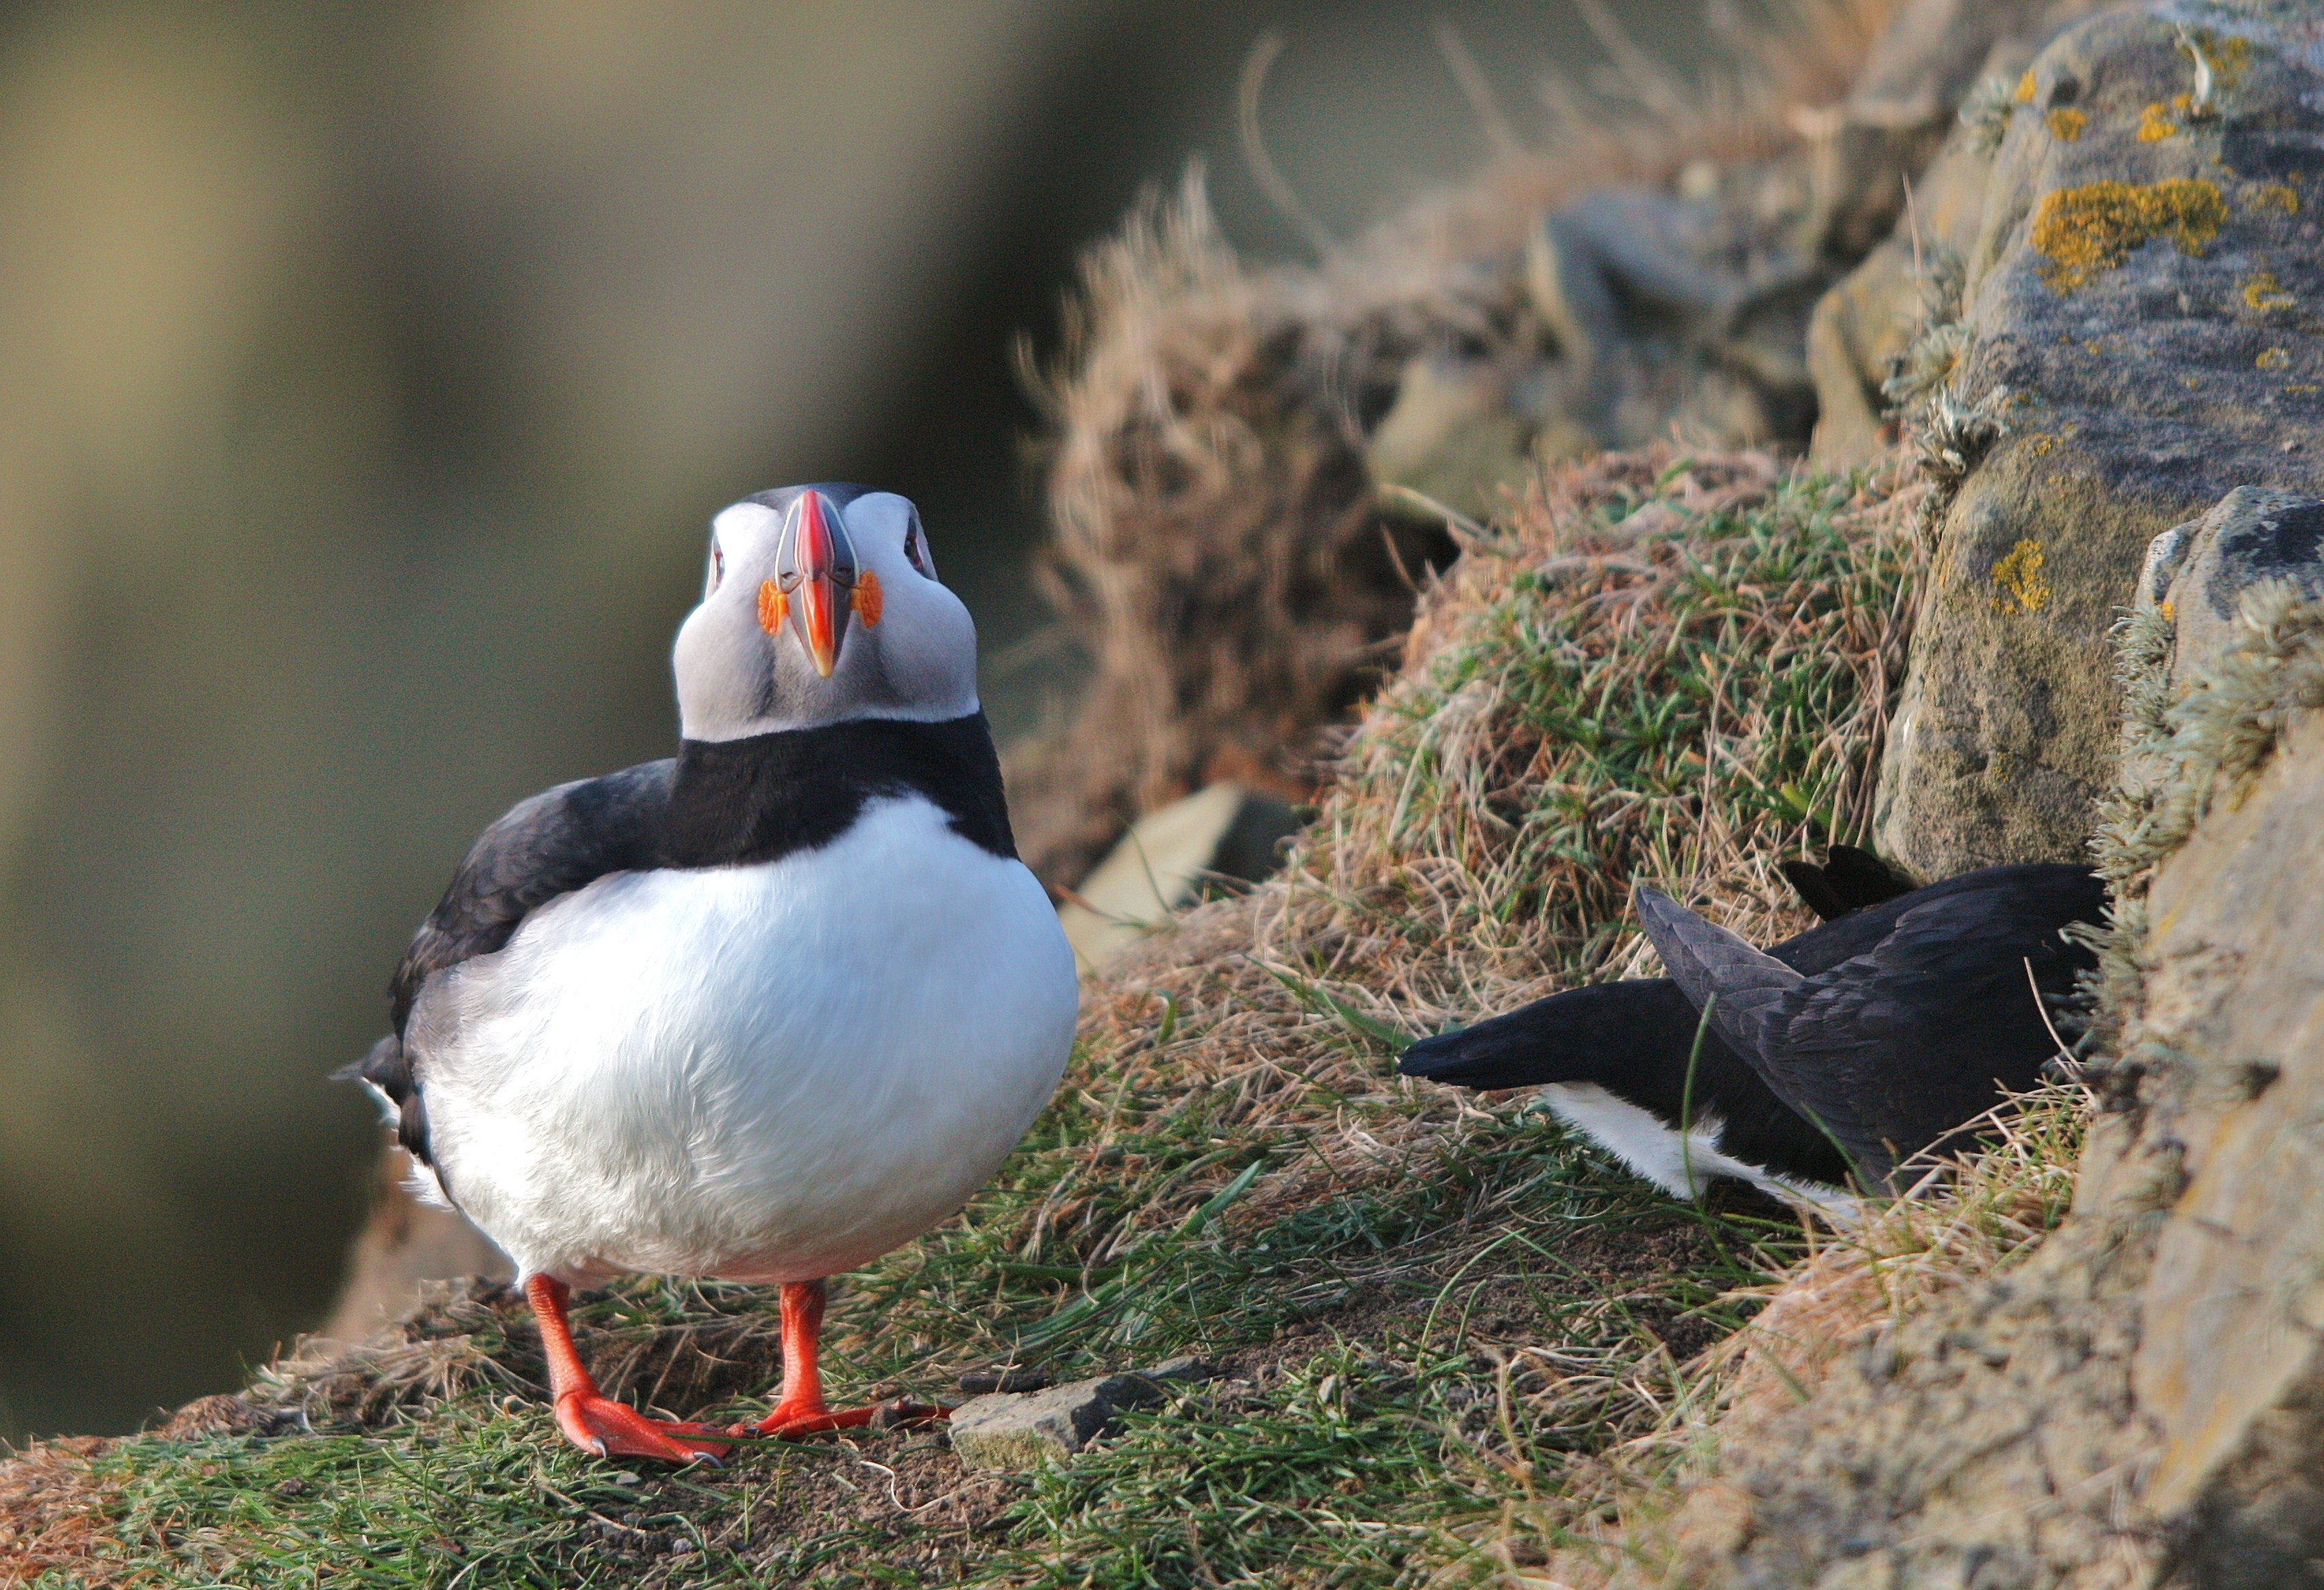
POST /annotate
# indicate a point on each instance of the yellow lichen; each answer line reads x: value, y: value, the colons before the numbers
x: 2084, y: 231
x: 2025, y: 87
x: 2066, y: 123
x: 2273, y: 359
x: 2040, y: 445
x: 2018, y: 576
x: 2280, y: 196
x: 2153, y: 127
x: 2263, y: 293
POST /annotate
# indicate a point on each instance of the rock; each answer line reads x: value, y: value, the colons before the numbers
x: 1006, y: 1430
x: 1902, y: 105
x: 1160, y: 866
x: 1460, y: 432
x: 1937, y: 70
x: 2143, y: 317
x: 1862, y: 328
x: 1669, y: 310
x: 2231, y: 1363
x: 2197, y: 573
x: 983, y: 1382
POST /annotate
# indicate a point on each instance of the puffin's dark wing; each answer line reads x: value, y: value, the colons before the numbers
x: 1928, y: 1030
x: 549, y: 845
x: 1752, y: 997
x: 1848, y: 879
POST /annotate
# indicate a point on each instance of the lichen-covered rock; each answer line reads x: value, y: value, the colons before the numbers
x: 1939, y: 55
x: 2231, y: 1365
x: 2144, y: 307
x: 2197, y: 573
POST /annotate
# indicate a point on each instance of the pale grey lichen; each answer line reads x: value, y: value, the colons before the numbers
x: 1984, y: 113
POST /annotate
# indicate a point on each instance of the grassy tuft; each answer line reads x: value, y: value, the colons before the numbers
x: 1446, y: 1332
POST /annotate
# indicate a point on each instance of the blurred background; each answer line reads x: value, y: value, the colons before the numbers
x: 368, y: 378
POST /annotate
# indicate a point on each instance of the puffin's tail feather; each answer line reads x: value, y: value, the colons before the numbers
x: 386, y: 1070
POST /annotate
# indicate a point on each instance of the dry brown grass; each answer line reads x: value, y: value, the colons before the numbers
x: 53, y: 1511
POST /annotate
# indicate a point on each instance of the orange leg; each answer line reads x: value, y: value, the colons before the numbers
x: 599, y: 1424
x: 799, y: 1409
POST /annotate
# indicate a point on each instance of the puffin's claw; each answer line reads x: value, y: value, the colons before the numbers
x: 615, y: 1429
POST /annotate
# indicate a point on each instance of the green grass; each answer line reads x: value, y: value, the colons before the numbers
x: 1442, y: 1326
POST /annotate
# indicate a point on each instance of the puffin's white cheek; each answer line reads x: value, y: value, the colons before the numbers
x: 720, y: 662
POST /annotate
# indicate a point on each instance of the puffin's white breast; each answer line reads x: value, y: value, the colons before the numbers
x: 770, y: 1072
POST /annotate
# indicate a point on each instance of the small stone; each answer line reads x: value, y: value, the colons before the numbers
x: 1011, y: 1430
x: 984, y: 1382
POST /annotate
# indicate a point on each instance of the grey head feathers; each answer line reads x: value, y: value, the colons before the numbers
x: 900, y: 645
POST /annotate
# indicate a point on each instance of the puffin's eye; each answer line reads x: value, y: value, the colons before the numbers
x: 717, y: 568
x: 916, y: 551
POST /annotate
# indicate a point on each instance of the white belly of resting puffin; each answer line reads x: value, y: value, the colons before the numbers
x: 764, y: 1011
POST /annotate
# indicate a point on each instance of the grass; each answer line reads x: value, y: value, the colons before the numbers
x: 1452, y: 1340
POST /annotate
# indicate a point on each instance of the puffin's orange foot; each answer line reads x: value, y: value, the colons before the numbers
x: 789, y: 1421
x: 615, y: 1429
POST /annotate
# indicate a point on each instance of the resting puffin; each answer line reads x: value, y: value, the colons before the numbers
x: 762, y: 1011
x: 1911, y: 1011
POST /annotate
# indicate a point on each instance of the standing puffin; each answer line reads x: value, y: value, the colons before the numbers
x: 762, y: 1011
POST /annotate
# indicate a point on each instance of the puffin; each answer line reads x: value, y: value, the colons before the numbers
x: 762, y: 1011
x: 1816, y: 1066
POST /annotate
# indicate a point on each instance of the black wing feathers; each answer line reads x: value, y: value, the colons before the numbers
x: 550, y: 845
x: 1887, y: 1028
x: 1895, y: 1048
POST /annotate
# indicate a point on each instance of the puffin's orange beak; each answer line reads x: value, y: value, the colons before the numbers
x: 814, y: 580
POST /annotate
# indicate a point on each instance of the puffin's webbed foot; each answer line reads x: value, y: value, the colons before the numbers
x: 596, y: 1423
x: 791, y: 1419
x: 615, y: 1429
x: 800, y: 1410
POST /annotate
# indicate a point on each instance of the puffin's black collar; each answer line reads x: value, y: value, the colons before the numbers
x: 739, y: 801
